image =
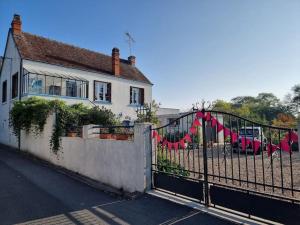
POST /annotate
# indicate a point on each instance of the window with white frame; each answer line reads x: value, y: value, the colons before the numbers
x: 102, y: 91
x: 136, y: 96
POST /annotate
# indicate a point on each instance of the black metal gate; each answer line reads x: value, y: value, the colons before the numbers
x: 225, y: 161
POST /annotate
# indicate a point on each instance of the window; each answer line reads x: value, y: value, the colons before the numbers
x: 71, y: 88
x: 102, y: 91
x: 4, y: 91
x: 54, y: 90
x: 14, y: 90
x: 136, y: 96
x: 36, y: 84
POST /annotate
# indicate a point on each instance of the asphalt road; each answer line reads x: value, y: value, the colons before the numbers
x: 32, y: 193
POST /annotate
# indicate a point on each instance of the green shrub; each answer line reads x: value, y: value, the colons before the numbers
x: 167, y: 166
x: 31, y: 115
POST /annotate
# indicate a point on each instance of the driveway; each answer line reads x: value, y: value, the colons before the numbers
x: 32, y: 193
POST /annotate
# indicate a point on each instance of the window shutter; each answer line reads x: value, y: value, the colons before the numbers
x: 87, y: 90
x: 94, y: 90
x: 142, y: 96
x: 130, y: 100
x: 109, y: 92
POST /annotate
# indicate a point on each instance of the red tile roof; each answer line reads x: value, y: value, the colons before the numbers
x: 42, y: 49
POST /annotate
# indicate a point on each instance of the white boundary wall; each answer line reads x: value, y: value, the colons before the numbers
x: 120, y: 164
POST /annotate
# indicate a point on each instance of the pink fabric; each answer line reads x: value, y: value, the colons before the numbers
x: 193, y: 130
x: 256, y: 145
x: 175, y: 145
x: 294, y: 136
x: 271, y: 148
x: 182, y: 144
x: 245, y: 142
x: 226, y: 132
x: 284, y: 145
x: 213, y: 122
x: 187, y: 137
x: 208, y: 116
x: 154, y: 134
x: 158, y: 138
x: 220, y: 127
x: 196, y: 123
x: 199, y: 115
x: 234, y: 137
x: 170, y: 145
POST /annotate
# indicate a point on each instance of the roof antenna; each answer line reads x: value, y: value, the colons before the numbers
x: 130, y: 42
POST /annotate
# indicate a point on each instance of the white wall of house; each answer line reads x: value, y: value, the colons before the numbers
x: 120, y: 88
x: 11, y: 65
x: 122, y: 164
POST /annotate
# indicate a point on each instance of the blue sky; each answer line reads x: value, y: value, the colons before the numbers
x: 189, y: 49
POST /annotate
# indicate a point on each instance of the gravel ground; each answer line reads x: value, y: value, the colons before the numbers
x: 282, y: 172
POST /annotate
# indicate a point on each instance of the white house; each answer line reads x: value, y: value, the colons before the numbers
x: 37, y: 66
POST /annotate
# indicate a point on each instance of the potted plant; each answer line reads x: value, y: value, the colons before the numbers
x: 72, y: 131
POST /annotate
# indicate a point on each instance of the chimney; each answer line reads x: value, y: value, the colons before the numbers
x: 131, y: 60
x: 115, y: 57
x: 16, y: 24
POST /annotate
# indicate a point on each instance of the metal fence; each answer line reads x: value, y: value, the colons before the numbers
x: 224, y: 152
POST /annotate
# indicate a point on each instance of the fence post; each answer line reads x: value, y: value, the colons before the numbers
x: 142, y: 139
x: 206, y: 200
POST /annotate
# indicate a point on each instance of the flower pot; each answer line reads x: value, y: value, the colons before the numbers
x: 107, y: 136
x: 122, y: 137
x: 72, y: 134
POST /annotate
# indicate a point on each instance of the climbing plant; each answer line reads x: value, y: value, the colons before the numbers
x: 31, y: 115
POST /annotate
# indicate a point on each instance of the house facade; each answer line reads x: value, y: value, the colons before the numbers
x: 37, y: 66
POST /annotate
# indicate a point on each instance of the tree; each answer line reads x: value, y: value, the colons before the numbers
x: 296, y: 97
x: 268, y: 99
x: 240, y: 100
x: 284, y: 120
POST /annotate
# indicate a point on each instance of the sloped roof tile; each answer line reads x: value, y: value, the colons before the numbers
x: 42, y: 49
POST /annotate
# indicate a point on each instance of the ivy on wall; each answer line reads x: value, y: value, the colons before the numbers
x: 31, y: 116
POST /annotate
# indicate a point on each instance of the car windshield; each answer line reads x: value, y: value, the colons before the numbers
x: 248, y: 132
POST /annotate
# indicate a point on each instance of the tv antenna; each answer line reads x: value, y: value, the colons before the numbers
x: 130, y: 41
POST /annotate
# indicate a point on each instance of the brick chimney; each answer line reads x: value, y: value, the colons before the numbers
x: 131, y: 60
x: 115, y: 57
x: 16, y: 24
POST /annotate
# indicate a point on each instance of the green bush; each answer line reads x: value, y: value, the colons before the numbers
x: 167, y: 166
x: 31, y: 115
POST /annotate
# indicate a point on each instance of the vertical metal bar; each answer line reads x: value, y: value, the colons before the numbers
x: 183, y: 134
x: 193, y: 147
x: 231, y: 143
x: 224, y: 150
x: 206, y: 197
x: 262, y: 157
x: 218, y: 146
x: 245, y: 139
x: 254, y: 154
x: 212, y: 150
x: 188, y: 145
x: 280, y: 154
x: 271, y: 154
x: 238, y: 149
x: 291, y: 164
x: 198, y: 137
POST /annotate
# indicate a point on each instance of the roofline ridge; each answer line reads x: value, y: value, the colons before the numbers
x: 71, y: 45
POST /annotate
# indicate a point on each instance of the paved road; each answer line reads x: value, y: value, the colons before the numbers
x: 31, y: 193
